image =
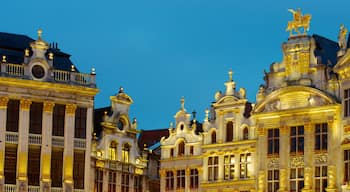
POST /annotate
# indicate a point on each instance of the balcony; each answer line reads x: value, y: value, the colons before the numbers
x: 57, y: 141
x: 33, y: 188
x: 35, y: 139
x: 10, y: 188
x: 11, y: 137
x: 79, y: 143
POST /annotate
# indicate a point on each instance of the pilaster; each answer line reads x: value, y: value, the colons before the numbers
x: 283, y: 185
x: 46, y: 146
x: 308, y: 144
x: 89, y: 132
x: 187, y: 178
x: 68, y: 153
x: 307, y: 180
x: 22, y: 153
x: 221, y: 129
x: 162, y: 174
x: 332, y: 179
x: 221, y: 165
x: 261, y: 181
x: 205, y: 169
x: 3, y: 115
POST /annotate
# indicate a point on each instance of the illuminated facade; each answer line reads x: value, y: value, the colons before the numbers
x: 296, y: 137
x: 46, y: 116
x: 118, y: 163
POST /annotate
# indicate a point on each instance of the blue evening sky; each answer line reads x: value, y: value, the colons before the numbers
x: 160, y: 50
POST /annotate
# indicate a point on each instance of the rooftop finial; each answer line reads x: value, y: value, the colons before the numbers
x: 40, y: 31
x: 206, y: 115
x: 183, y: 103
x: 121, y: 89
x: 230, y: 73
x: 194, y: 113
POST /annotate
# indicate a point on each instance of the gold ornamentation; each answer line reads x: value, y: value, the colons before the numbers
x: 297, y: 161
x: 48, y: 107
x: 261, y: 132
x: 284, y: 129
x: 299, y: 21
x: 343, y: 31
x: 3, y: 102
x: 321, y: 158
x: 332, y: 170
x: 25, y: 104
x: 273, y: 163
x: 70, y: 109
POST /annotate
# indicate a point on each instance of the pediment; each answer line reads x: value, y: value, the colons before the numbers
x: 293, y: 97
x: 226, y: 100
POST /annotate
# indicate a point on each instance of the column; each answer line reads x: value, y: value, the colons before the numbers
x: 68, y: 152
x: 284, y: 158
x: 205, y: 170
x: 175, y: 179
x: 307, y: 180
x: 187, y: 179
x: 22, y: 153
x: 221, y: 167
x: 262, y: 156
x: 162, y: 175
x: 46, y: 146
x: 89, y: 131
x: 200, y: 176
x: 261, y: 181
x: 3, y: 113
x: 308, y: 156
x: 220, y: 129
x: 332, y: 180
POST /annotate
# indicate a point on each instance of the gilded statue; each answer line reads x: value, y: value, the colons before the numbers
x: 299, y: 21
x: 342, y: 37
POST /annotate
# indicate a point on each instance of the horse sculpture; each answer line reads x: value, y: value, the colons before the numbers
x: 300, y: 21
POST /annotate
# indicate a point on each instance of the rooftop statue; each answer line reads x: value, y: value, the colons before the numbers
x: 299, y: 21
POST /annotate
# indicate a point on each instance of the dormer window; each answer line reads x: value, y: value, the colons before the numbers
x: 120, y: 124
x: 245, y: 133
x: 181, y: 148
x: 125, y: 153
x: 213, y: 137
x: 113, y: 151
x: 229, y: 131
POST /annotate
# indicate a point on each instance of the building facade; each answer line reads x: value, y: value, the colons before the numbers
x: 294, y: 138
x: 46, y: 117
x: 118, y: 163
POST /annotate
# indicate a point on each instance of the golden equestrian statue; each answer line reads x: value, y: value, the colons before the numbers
x: 299, y: 21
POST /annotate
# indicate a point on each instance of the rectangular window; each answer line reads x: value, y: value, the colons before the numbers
x: 125, y: 183
x: 169, y: 180
x: 138, y: 183
x: 79, y: 169
x: 58, y: 120
x: 297, y: 139
x: 229, y: 167
x: 191, y: 150
x: 56, y: 167
x: 296, y: 179
x: 12, y: 117
x: 180, y: 179
x: 194, y: 178
x: 347, y: 165
x: 346, y: 102
x: 98, y: 180
x: 172, y: 152
x: 213, y: 167
x: 34, y: 166
x: 321, y: 136
x: 273, y: 141
x: 36, y: 118
x: 80, y: 123
x: 320, y: 178
x: 112, y: 181
x: 273, y: 177
x: 245, y: 165
x: 10, y: 164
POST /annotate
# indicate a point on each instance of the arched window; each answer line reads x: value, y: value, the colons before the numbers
x: 125, y: 153
x: 181, y: 148
x: 229, y: 131
x: 213, y: 137
x: 245, y: 133
x: 113, y: 150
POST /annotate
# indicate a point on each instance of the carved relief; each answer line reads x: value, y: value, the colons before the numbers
x: 70, y: 109
x: 25, y: 104
x: 48, y: 107
x: 316, y: 100
x: 273, y: 163
x: 297, y: 161
x: 321, y: 158
x: 273, y: 106
x: 3, y: 102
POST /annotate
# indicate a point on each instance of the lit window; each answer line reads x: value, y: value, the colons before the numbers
x: 296, y: 179
x: 321, y: 134
x: 194, y: 178
x: 229, y: 131
x: 213, y: 165
x: 125, y: 153
x: 245, y: 165
x: 273, y: 141
x: 297, y: 139
x: 169, y: 180
x: 272, y: 180
x: 320, y: 178
x: 113, y: 151
x: 180, y: 179
x: 229, y: 167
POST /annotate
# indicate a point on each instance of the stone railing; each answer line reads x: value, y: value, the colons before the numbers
x: 10, y: 188
x: 11, y: 137
x: 35, y: 139
x: 79, y: 143
x: 57, y: 141
x: 56, y: 189
x: 78, y: 190
x: 59, y: 76
x: 33, y: 188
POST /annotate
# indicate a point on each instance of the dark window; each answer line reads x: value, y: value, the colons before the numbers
x: 320, y: 178
x: 273, y: 141
x: 245, y: 133
x: 12, y: 116
x: 346, y: 102
x: 297, y: 139
x: 194, y: 178
x: 80, y: 123
x: 169, y: 180
x: 10, y: 164
x: 191, y: 150
x: 229, y: 131
x: 172, y: 152
x: 213, y: 167
x: 98, y: 180
x: 245, y: 166
x: 229, y: 167
x: 321, y: 136
x: 56, y: 167
x: 79, y: 169
x: 138, y: 183
x: 296, y: 179
x: 112, y: 181
x: 180, y: 179
x: 58, y: 120
x: 34, y: 166
x: 347, y: 165
x: 273, y: 180
x: 213, y: 137
x: 181, y: 148
x: 36, y: 117
x: 125, y: 183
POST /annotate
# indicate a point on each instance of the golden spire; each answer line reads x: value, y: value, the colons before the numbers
x: 182, y: 103
x: 40, y: 32
x: 299, y: 21
x: 230, y: 72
